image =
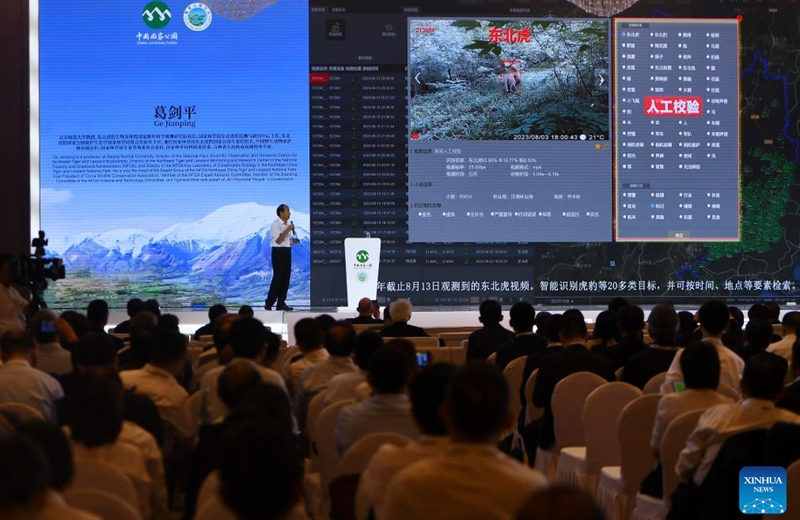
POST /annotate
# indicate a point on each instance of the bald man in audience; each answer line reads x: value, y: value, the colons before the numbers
x: 367, y: 313
x: 472, y: 479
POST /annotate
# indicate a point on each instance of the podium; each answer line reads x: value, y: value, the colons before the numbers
x: 362, y: 257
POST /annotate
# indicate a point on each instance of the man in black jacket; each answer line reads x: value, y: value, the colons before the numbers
x: 484, y: 342
x: 525, y: 342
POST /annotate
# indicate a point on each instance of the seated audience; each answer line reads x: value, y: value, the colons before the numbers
x: 55, y: 445
x: 251, y: 344
x: 400, y: 311
x: 20, y: 382
x: 757, y: 336
x: 13, y: 306
x: 309, y: 336
x: 713, y: 317
x: 97, y: 312
x: 25, y: 479
x: 388, y: 409
x: 78, y: 322
x: 525, y: 342
x: 700, y: 368
x: 662, y: 326
x: 550, y: 331
x: 145, y: 336
x: 134, y: 306
x: 688, y: 328
x: 427, y: 391
x: 51, y: 357
x: 733, y: 336
x: 94, y: 417
x: 245, y: 311
x: 219, y: 354
x: 169, y: 323
x: 791, y: 396
x: 617, y: 303
x: 630, y: 323
x: 343, y: 386
x: 560, y: 503
x: 261, y: 474
x: 483, y: 342
x: 214, y: 312
x: 761, y: 386
x: 605, y: 332
x: 472, y: 479
x: 791, y: 324
x: 760, y: 312
x: 339, y: 344
x: 367, y: 313
x: 157, y: 381
x: 574, y: 357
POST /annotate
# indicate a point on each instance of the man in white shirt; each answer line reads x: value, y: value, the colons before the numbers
x: 700, y: 367
x: 343, y: 386
x: 472, y: 479
x: 51, y: 357
x: 791, y: 323
x: 12, y: 305
x: 157, y: 381
x: 251, y: 343
x: 713, y: 317
x: 339, y: 344
x: 388, y: 409
x: 282, y: 237
x: 762, y: 386
x: 20, y: 382
x: 427, y: 391
x: 309, y: 338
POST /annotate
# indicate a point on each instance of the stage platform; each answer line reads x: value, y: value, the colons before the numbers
x: 282, y: 322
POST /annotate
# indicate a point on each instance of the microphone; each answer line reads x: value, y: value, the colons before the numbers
x: 294, y: 233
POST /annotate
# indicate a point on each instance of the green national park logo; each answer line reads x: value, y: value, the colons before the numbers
x: 156, y: 15
x: 362, y: 256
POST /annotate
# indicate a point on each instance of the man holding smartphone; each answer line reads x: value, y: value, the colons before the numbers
x: 366, y: 312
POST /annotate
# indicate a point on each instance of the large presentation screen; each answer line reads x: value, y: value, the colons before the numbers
x: 559, y: 151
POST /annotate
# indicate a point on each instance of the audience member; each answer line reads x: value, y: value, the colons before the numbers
x: 343, y: 386
x: 525, y: 342
x: 541, y: 320
x: 169, y: 323
x: 760, y: 312
x: 605, y: 331
x: 761, y: 386
x: 78, y: 322
x: 157, y: 381
x: 214, y: 312
x: 25, y: 478
x: 309, y: 337
x: 145, y: 337
x: 550, y: 331
x: 367, y: 313
x: 20, y: 382
x: 734, y: 335
x: 251, y: 344
x: 97, y: 313
x: 688, y: 330
x: 662, y: 326
x: 133, y: 307
x: 575, y: 357
x: 791, y: 324
x: 94, y: 416
x: 261, y: 474
x: 774, y: 310
x: 700, y: 368
x: 245, y: 311
x: 400, y: 311
x: 388, y: 409
x: 713, y: 317
x: 152, y: 306
x: 325, y: 321
x: 339, y: 344
x: 560, y: 503
x: 13, y: 307
x: 51, y: 357
x: 484, y: 342
x: 220, y: 354
x: 387, y: 316
x: 617, y: 303
x: 757, y: 336
x: 630, y: 323
x: 427, y: 390
x: 472, y: 478
x: 791, y: 397
x: 55, y: 445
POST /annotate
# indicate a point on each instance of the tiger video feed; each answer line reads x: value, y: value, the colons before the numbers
x: 507, y: 79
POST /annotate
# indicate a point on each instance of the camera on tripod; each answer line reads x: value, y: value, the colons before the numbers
x: 34, y: 270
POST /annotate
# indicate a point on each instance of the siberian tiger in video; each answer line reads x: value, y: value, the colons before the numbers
x: 511, y: 80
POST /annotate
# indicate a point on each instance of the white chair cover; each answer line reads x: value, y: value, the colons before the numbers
x: 458, y: 355
x: 420, y: 343
x: 492, y: 358
x: 513, y: 375
x: 531, y: 411
x: 567, y: 402
x: 103, y: 504
x: 454, y: 339
x: 96, y: 475
x: 618, y: 485
x: 356, y: 458
x: 209, y: 490
x: 324, y: 442
x: 315, y: 407
x: 601, y: 412
x: 23, y: 412
x: 653, y: 386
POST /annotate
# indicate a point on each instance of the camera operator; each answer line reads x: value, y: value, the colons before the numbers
x: 13, y: 306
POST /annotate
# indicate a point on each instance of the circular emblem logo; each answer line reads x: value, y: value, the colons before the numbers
x: 362, y: 257
x: 362, y: 277
x: 156, y: 15
x: 197, y: 16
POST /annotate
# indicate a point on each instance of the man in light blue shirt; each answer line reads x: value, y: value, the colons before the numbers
x: 20, y: 382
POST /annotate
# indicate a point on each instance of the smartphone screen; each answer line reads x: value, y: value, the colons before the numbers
x: 679, y: 386
x: 423, y: 358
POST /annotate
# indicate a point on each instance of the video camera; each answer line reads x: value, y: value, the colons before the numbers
x: 34, y: 270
